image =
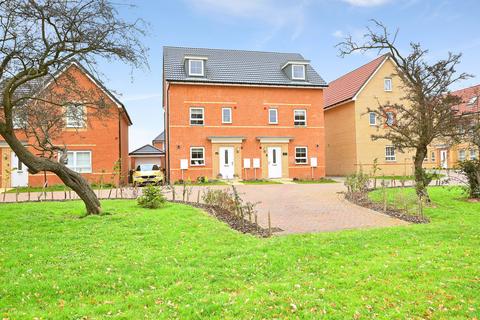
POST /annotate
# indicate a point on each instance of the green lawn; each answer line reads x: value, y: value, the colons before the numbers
x: 436, y: 176
x: 178, y: 262
x: 260, y: 181
x: 321, y: 180
x: 55, y: 187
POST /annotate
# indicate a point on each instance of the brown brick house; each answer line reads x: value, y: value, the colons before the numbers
x: 245, y: 114
x: 97, y: 147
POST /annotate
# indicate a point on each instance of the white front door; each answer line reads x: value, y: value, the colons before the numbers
x: 444, y: 159
x: 274, y: 162
x: 227, y: 162
x: 19, y: 172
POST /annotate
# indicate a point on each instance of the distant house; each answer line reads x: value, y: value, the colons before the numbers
x: 97, y: 146
x: 349, y: 126
x: 242, y: 114
x: 147, y: 154
x: 159, y: 141
x: 444, y: 155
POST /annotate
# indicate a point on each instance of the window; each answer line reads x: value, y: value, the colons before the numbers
x: 472, y: 101
x: 195, y: 68
x: 433, y: 156
x: 79, y: 161
x: 390, y: 153
x: 372, y: 118
x: 298, y: 72
x: 387, y: 84
x: 473, y: 154
x: 272, y: 116
x: 226, y: 115
x: 390, y: 118
x: 461, y: 155
x: 197, y: 156
x: 196, y: 116
x: 301, y: 154
x: 75, y: 116
x: 300, y: 117
x: 19, y: 121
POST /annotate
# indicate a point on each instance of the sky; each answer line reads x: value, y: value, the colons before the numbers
x: 309, y: 27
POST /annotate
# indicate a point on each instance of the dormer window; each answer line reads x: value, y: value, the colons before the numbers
x: 298, y: 72
x: 472, y: 101
x: 196, y: 68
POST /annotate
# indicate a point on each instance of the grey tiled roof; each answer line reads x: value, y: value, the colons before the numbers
x: 160, y: 137
x: 147, y: 150
x: 237, y: 66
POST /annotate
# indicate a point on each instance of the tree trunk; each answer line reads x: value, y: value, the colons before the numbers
x: 420, y: 178
x: 69, y: 177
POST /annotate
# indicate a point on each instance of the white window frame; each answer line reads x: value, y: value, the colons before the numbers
x: 374, y: 118
x: 305, y: 121
x: 231, y: 116
x: 303, y: 71
x: 203, y: 159
x: 388, y: 88
x: 387, y: 118
x: 276, y: 116
x: 390, y: 157
x: 69, y: 123
x: 473, y: 154
x: 75, y: 167
x: 192, y: 119
x: 190, y: 73
x: 306, y: 155
x: 464, y: 157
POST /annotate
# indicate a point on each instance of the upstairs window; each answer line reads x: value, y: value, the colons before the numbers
x: 298, y: 72
x: 433, y: 156
x: 473, y: 154
x: 372, y: 118
x: 75, y: 116
x: 196, y: 68
x: 196, y: 117
x: 226, y: 115
x: 390, y: 153
x: 300, y: 118
x: 472, y: 101
x: 390, y: 118
x: 301, y: 155
x: 461, y: 155
x: 272, y: 116
x: 387, y: 84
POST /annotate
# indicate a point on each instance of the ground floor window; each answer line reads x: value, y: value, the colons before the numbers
x: 79, y: 161
x: 433, y: 156
x: 461, y: 155
x: 197, y: 156
x: 390, y: 153
x: 301, y: 155
x: 473, y: 154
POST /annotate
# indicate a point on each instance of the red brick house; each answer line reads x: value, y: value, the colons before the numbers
x: 242, y: 114
x: 97, y: 147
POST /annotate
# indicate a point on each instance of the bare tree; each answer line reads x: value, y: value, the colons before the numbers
x: 37, y: 39
x: 426, y: 112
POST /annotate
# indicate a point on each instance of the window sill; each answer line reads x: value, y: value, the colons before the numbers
x: 301, y: 163
x: 197, y: 165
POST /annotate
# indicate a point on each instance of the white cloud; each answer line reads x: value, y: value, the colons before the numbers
x: 279, y: 15
x: 367, y: 3
x: 338, y: 34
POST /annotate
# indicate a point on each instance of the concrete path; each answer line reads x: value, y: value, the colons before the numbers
x: 295, y: 208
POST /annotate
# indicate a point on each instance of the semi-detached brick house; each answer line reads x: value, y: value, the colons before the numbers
x: 97, y: 146
x: 245, y: 114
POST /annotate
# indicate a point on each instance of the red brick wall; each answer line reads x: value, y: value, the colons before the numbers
x: 250, y: 119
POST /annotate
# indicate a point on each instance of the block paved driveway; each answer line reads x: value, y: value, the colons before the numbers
x: 306, y: 208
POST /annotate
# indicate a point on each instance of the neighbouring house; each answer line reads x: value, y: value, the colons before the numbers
x: 349, y: 126
x: 242, y: 114
x: 97, y: 146
x: 159, y: 141
x: 445, y: 155
x: 147, y: 154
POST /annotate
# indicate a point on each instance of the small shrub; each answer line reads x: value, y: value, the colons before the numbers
x: 152, y: 198
x: 357, y: 182
x: 471, y: 169
x: 220, y: 198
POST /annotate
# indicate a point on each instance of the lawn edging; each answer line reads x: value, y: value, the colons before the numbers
x: 365, y: 202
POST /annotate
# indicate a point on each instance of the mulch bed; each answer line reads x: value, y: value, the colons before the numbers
x: 234, y: 222
x: 367, y: 203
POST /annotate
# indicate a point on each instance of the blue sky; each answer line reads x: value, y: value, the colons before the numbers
x: 310, y: 27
